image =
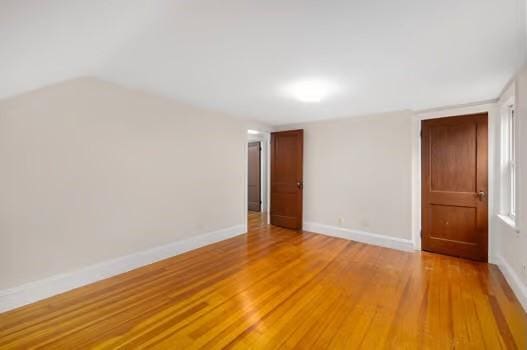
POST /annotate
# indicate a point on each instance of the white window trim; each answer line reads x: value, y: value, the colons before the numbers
x: 508, y: 211
x: 508, y: 221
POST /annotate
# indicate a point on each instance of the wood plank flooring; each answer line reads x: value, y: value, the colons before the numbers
x: 275, y: 288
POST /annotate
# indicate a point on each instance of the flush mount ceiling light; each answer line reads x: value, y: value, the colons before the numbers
x: 310, y: 90
x: 253, y: 132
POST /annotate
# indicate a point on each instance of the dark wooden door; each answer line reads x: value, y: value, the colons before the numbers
x: 287, y: 178
x: 254, y: 176
x: 455, y: 186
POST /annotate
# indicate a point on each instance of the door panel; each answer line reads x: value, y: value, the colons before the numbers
x: 453, y: 151
x: 254, y: 176
x: 453, y: 223
x: 287, y: 178
x: 454, y: 173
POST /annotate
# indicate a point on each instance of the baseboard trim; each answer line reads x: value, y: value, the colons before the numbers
x: 360, y: 236
x: 34, y: 291
x: 519, y: 289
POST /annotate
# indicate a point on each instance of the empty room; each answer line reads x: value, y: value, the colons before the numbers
x: 292, y: 174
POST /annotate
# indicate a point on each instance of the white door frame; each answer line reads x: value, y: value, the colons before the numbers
x: 492, y: 110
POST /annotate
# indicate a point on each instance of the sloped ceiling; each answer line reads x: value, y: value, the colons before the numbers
x: 236, y: 56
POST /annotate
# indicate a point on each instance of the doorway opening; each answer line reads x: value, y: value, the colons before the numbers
x: 257, y: 177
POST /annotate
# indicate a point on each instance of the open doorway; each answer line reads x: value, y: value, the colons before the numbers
x: 257, y: 177
x: 254, y: 176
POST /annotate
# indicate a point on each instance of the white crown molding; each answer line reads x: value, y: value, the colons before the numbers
x: 514, y: 281
x: 31, y: 292
x: 360, y: 236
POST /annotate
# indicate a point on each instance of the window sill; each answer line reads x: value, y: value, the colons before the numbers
x: 509, y: 221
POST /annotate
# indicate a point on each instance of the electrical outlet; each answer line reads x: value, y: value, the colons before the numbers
x: 340, y: 220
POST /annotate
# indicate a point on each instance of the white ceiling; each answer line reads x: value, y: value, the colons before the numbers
x: 236, y: 56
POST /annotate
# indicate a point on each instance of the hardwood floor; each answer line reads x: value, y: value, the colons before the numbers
x: 275, y: 288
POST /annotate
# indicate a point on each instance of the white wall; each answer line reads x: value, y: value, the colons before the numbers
x: 92, y: 171
x: 357, y: 174
x: 512, y: 245
x: 521, y: 91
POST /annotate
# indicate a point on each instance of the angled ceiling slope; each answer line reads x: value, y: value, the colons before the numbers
x: 239, y: 56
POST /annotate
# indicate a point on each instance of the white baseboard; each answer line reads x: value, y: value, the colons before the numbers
x: 360, y: 236
x: 519, y: 289
x: 30, y: 292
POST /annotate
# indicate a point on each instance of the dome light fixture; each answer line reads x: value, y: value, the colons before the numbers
x: 310, y: 90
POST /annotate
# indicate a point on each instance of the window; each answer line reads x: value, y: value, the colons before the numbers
x: 509, y: 166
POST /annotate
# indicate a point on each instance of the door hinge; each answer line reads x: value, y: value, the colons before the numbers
x: 421, y: 233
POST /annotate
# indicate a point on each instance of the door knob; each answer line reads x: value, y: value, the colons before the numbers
x: 482, y: 195
x: 299, y: 184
